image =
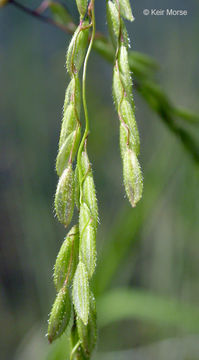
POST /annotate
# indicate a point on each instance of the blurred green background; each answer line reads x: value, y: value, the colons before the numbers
x: 147, y: 280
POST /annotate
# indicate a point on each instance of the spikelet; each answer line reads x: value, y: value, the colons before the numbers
x: 64, y: 197
x: 73, y: 94
x: 68, y: 150
x: 88, y: 333
x: 113, y: 21
x: 67, y: 259
x: 133, y: 181
x: 82, y: 7
x: 60, y: 315
x: 88, y: 187
x: 87, y: 239
x: 81, y: 293
x: 77, y: 49
x: 125, y: 9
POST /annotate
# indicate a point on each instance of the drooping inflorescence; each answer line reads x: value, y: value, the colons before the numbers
x: 123, y: 98
x: 74, y: 307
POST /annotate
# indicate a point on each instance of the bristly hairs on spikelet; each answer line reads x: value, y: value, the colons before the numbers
x: 76, y: 260
x: 123, y: 99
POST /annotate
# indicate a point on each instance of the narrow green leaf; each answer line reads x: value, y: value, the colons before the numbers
x: 144, y: 60
x: 60, y: 13
x: 143, y: 305
x: 81, y: 293
x: 186, y: 115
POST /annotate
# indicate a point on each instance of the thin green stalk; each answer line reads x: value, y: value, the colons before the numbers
x: 74, y: 350
x: 86, y: 132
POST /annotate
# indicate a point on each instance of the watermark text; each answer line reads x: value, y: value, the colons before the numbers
x: 165, y: 12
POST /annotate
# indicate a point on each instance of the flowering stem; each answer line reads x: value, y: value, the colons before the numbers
x: 86, y: 132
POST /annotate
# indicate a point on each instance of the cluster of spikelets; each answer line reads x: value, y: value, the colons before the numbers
x: 122, y: 94
x: 74, y: 308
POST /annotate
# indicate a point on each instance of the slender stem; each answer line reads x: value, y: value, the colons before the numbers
x: 69, y: 28
x: 85, y: 71
x: 74, y: 350
x: 104, y: 49
x: 86, y: 132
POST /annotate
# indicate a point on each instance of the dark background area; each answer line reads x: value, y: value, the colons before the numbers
x: 162, y: 254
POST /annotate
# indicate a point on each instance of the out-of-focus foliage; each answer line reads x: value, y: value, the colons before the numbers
x: 152, y: 250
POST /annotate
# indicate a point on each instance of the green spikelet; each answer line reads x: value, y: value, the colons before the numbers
x: 77, y: 188
x: 77, y: 49
x: 67, y: 259
x: 133, y: 180
x: 60, y: 315
x: 88, y: 187
x: 64, y: 197
x: 88, y: 333
x: 113, y: 22
x: 68, y: 125
x: 131, y: 136
x: 87, y: 239
x: 82, y: 7
x: 125, y: 75
x: 118, y: 90
x: 125, y: 9
x: 73, y: 95
x: 81, y: 293
x: 67, y: 150
x: 84, y: 217
x: 125, y: 36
